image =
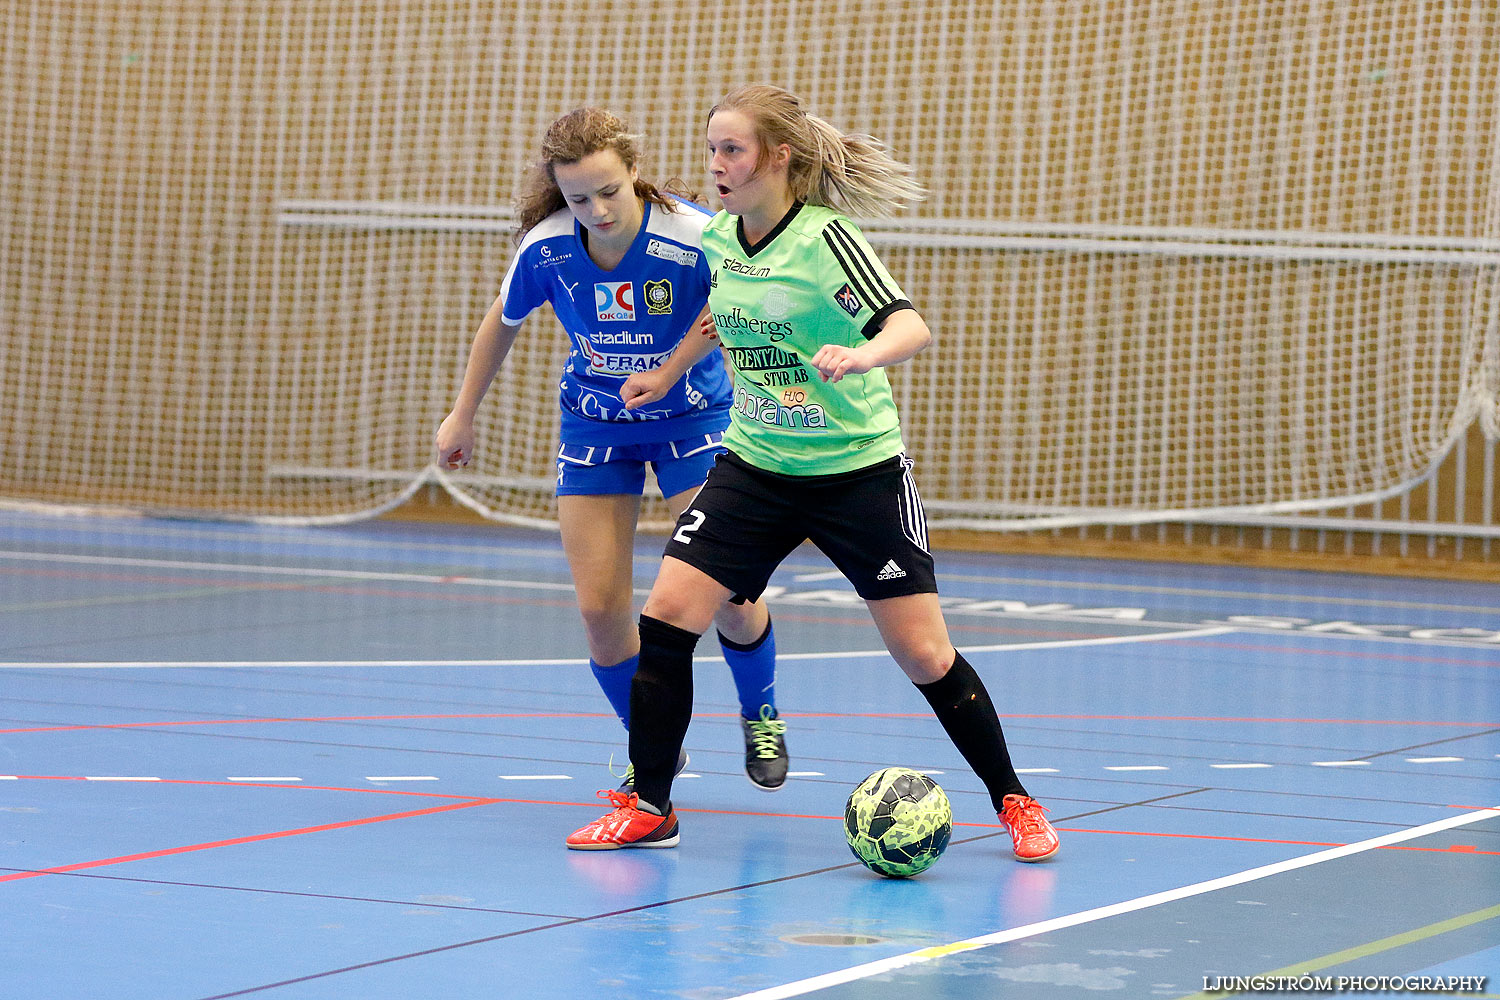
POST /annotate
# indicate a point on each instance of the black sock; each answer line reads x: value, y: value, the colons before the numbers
x: 661, y: 706
x: 964, y: 708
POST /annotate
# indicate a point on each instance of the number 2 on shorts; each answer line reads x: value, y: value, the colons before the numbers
x: 683, y: 531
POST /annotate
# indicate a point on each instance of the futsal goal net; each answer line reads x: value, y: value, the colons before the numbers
x: 1183, y: 258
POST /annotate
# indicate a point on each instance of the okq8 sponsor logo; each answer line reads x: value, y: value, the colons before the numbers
x: 614, y: 301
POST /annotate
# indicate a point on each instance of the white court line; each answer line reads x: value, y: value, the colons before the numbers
x: 401, y: 777
x: 789, y: 598
x: 119, y: 778
x: 869, y: 969
x: 262, y: 779
x: 820, y: 774
x: 535, y: 777
x: 1136, y: 767
x: 1005, y: 647
x: 1340, y: 763
x: 1432, y: 760
x: 316, y: 538
x: 1237, y: 767
x: 838, y: 655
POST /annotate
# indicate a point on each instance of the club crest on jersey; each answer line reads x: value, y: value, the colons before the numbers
x: 659, y: 297
x: 615, y: 301
x: 846, y: 298
x: 776, y: 304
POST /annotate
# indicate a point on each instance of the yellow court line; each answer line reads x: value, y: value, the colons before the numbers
x: 1371, y: 948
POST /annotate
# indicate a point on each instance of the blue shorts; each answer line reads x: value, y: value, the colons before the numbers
x: 595, y: 470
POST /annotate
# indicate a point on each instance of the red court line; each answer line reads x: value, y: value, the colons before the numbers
x: 311, y: 718
x: 290, y: 585
x: 470, y: 802
x: 254, y: 838
x: 1147, y: 718
x: 711, y: 715
x: 1451, y: 849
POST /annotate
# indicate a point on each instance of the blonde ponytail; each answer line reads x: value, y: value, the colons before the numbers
x: 855, y: 174
x: 851, y: 173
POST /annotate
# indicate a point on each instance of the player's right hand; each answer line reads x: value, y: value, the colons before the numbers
x: 455, y: 441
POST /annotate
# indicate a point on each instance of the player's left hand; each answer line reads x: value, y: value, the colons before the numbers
x: 645, y: 387
x: 834, y: 362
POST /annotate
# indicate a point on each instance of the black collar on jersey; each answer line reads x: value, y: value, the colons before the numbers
x: 786, y: 220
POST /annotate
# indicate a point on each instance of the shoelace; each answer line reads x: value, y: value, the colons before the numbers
x: 620, y: 800
x: 1024, y: 815
x: 764, y: 731
x: 628, y: 777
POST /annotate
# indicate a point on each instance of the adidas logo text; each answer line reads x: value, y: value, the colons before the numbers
x: 890, y: 571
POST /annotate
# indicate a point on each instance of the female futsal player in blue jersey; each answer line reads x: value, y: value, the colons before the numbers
x: 811, y: 318
x: 620, y: 261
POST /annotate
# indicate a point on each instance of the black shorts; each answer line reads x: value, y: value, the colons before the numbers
x: 869, y: 522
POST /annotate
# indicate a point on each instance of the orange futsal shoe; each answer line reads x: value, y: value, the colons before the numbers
x: 1030, y: 833
x: 628, y: 826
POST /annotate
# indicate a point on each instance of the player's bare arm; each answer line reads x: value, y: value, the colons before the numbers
x: 455, y: 437
x: 643, y: 388
x: 902, y: 336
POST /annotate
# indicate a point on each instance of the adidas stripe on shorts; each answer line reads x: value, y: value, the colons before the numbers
x: 869, y: 522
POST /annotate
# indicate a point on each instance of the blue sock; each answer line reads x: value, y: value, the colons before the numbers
x: 754, y: 670
x: 615, y: 683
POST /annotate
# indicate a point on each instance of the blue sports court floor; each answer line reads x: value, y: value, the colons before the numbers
x: 339, y: 763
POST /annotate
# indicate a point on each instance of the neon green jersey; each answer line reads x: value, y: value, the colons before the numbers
x: 812, y: 281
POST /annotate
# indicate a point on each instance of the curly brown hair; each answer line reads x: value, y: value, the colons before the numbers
x: 575, y: 135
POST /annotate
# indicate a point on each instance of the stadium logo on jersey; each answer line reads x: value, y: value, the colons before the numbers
x: 628, y: 338
x: 659, y: 297
x: 740, y: 267
x: 676, y: 254
x: 846, y: 298
x: 615, y: 301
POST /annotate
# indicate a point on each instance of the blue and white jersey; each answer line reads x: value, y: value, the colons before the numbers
x: 622, y: 321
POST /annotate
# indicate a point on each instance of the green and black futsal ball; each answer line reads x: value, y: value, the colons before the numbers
x: 898, y: 822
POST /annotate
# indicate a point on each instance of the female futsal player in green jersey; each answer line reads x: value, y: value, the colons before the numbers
x: 811, y: 318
